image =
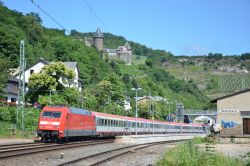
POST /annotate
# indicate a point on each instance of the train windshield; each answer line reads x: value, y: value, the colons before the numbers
x: 50, y: 114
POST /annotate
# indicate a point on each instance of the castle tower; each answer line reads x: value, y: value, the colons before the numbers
x: 129, y: 50
x: 98, y: 39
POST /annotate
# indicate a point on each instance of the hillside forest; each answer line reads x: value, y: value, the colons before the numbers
x: 107, y: 83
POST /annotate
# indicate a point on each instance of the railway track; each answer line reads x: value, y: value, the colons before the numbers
x: 102, y: 157
x: 17, y: 146
x: 18, y: 150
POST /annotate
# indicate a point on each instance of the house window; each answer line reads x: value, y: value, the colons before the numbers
x: 31, y: 72
x: 13, y: 100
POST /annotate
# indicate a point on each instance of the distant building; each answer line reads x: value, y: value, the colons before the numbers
x: 11, y: 91
x: 36, y: 68
x: 127, y: 105
x: 233, y: 112
x: 146, y: 99
x: 123, y: 53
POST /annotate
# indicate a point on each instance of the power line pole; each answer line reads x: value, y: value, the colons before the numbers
x: 21, y: 87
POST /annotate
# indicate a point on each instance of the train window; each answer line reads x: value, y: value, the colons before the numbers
x: 98, y: 121
x: 50, y: 114
x: 177, y: 127
x: 47, y: 114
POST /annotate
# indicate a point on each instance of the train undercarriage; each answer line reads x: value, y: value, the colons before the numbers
x: 48, y: 135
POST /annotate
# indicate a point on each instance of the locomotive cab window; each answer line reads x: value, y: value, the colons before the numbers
x: 50, y: 114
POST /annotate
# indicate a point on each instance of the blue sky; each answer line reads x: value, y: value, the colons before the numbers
x: 183, y: 27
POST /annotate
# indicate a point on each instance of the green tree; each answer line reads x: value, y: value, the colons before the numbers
x: 116, y: 88
x: 71, y: 95
x: 4, y: 70
x: 42, y: 81
x: 144, y: 110
x: 10, y: 38
x: 54, y: 99
x: 36, y: 16
x: 58, y: 70
x: 48, y: 80
x: 104, y: 92
x: 89, y: 99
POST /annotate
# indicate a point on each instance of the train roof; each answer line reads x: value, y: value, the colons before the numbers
x: 79, y: 111
x: 111, y: 116
x: 118, y: 117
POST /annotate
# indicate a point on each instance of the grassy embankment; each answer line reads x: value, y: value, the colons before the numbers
x: 189, y: 154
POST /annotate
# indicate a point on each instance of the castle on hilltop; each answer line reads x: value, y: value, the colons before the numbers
x: 123, y: 53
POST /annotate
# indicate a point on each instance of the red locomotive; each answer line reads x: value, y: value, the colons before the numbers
x: 58, y: 123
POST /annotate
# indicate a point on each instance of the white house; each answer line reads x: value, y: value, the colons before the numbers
x: 11, y: 91
x: 127, y: 105
x: 77, y: 83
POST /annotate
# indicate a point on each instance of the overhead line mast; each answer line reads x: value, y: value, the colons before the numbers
x: 21, y: 86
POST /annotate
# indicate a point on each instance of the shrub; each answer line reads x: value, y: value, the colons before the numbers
x: 188, y: 154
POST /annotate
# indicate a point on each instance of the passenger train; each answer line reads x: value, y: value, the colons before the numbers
x: 58, y: 123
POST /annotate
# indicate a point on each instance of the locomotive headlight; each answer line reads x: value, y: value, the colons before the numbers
x: 60, y: 132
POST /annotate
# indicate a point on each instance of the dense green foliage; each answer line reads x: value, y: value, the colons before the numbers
x: 106, y: 83
x: 188, y: 154
x: 4, y: 70
x: 8, y: 123
x: 8, y: 115
x: 50, y: 44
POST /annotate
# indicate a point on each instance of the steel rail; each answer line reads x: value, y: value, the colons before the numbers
x: 47, y: 148
x: 113, y: 153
